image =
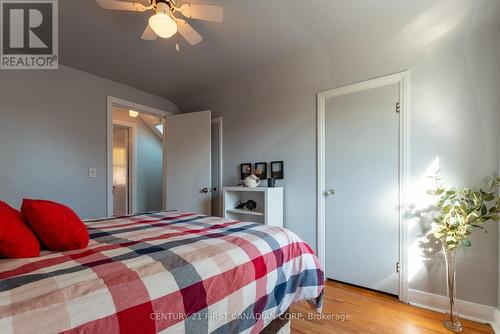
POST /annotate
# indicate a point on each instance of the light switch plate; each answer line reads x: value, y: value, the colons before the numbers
x: 92, y: 172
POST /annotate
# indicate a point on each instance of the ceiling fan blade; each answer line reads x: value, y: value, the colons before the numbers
x: 149, y: 34
x: 203, y: 12
x: 121, y: 5
x: 188, y: 32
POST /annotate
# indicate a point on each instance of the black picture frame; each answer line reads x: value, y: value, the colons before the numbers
x: 245, y: 170
x: 277, y: 170
x: 260, y: 170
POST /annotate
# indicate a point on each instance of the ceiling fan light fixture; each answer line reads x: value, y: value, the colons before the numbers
x: 163, y: 25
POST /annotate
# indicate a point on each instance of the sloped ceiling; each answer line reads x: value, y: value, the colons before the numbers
x: 254, y: 33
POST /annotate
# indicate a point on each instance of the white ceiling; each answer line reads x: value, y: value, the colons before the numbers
x: 254, y: 33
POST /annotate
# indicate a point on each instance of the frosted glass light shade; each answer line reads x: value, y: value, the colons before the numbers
x: 163, y: 25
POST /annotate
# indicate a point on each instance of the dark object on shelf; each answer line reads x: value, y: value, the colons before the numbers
x: 277, y: 170
x: 249, y: 205
x: 260, y: 169
x: 271, y: 183
x: 245, y: 170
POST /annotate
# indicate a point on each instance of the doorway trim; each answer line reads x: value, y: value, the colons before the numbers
x: 115, y: 102
x: 402, y: 79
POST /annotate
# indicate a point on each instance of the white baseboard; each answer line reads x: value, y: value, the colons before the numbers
x: 496, y: 321
x: 467, y: 310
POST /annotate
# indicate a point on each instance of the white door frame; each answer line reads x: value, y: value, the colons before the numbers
x: 132, y: 163
x: 114, y: 102
x: 398, y: 78
x: 218, y: 121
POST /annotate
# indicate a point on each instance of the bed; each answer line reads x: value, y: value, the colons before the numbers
x: 166, y: 272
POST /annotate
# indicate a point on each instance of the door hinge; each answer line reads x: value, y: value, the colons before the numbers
x: 398, y: 107
x: 398, y: 267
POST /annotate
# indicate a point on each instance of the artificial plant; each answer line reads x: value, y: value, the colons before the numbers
x: 463, y: 210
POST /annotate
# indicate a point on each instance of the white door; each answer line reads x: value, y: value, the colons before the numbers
x: 361, y: 152
x: 120, y: 170
x: 188, y: 162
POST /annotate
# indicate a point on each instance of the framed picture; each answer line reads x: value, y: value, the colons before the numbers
x: 260, y: 169
x: 245, y: 170
x: 277, y: 170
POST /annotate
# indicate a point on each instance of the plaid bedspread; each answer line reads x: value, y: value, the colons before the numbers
x: 168, y: 272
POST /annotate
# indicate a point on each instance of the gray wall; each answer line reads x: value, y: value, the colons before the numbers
x: 52, y: 129
x: 270, y: 114
x: 149, y: 164
x: 149, y: 170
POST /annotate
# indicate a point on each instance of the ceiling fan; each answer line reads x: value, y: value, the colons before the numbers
x: 165, y: 23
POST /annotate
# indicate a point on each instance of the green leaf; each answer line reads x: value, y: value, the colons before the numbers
x: 489, y: 197
x: 439, y: 235
x: 466, y: 243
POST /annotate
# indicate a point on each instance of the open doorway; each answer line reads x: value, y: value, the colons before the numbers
x: 186, y: 179
x: 136, y: 163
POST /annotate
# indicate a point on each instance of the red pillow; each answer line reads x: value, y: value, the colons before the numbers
x: 16, y: 239
x: 57, y: 226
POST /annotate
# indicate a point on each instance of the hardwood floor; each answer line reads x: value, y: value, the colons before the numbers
x: 356, y: 310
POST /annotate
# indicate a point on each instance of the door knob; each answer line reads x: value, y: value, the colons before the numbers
x: 204, y: 190
x: 330, y: 192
